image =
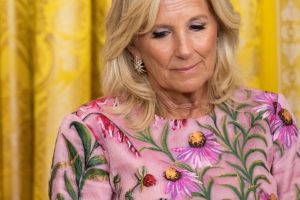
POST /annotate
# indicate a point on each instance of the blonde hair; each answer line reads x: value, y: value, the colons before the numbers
x: 128, y: 18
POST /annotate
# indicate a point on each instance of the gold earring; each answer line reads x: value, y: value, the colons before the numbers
x: 139, y: 65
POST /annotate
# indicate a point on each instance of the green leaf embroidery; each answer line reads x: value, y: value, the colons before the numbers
x: 253, y: 189
x: 238, y: 126
x: 95, y: 173
x: 85, y: 137
x: 185, y: 166
x: 209, y: 187
x: 297, y: 192
x: 145, y: 136
x: 164, y: 144
x: 128, y: 196
x: 279, y: 147
x: 261, y: 177
x: 255, y: 164
x: 227, y: 175
x: 224, y: 107
x: 239, y: 169
x: 96, y: 160
x: 242, y: 186
x: 237, y: 146
x: 198, y: 194
x: 211, y: 129
x: 77, y: 165
x: 205, y: 170
x: 259, y: 126
x: 234, y: 189
x: 96, y: 145
x: 255, y: 136
x: 53, y: 174
x: 242, y: 106
x: 69, y: 187
x: 251, y: 151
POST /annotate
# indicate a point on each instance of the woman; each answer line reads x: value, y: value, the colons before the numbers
x: 174, y: 124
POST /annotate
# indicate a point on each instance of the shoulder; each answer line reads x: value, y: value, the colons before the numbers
x: 96, y: 106
x: 266, y: 103
x: 255, y: 96
x: 92, y: 117
x: 262, y: 100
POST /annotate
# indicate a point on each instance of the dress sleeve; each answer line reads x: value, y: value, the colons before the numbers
x: 79, y: 167
x: 286, y: 164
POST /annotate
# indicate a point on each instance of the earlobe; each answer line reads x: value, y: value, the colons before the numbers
x: 136, y: 58
x: 132, y: 48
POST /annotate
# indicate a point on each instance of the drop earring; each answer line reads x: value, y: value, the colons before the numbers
x: 139, y: 65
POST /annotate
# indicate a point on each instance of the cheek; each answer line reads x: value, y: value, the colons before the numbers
x: 206, y: 45
x: 156, y: 56
x: 207, y: 48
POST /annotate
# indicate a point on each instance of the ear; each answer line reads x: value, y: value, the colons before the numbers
x: 133, y: 49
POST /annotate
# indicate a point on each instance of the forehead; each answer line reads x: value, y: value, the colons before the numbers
x: 182, y: 6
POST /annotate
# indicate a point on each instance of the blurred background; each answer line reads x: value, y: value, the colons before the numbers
x: 50, y: 63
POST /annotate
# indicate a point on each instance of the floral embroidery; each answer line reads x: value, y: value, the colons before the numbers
x: 284, y: 128
x: 83, y: 111
x: 109, y: 128
x: 203, y: 150
x: 106, y: 127
x: 181, y: 183
x: 143, y: 179
x: 264, y: 196
x: 268, y: 105
x: 158, y: 121
x: 84, y: 168
x: 149, y: 180
x: 96, y: 104
x: 177, y: 124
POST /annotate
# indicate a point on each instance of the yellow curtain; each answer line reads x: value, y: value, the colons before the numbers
x: 269, y: 54
x: 50, y: 64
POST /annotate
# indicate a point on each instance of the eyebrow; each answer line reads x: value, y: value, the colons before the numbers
x: 192, y: 19
x: 199, y: 17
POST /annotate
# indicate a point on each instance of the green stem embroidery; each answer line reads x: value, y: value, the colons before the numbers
x: 237, y: 148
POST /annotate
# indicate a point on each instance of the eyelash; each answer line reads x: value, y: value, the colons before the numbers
x: 161, y: 34
x: 158, y: 35
x: 198, y: 27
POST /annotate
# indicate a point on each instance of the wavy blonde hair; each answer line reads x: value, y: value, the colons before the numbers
x: 128, y: 18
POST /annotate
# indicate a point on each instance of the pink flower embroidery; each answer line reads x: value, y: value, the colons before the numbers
x: 203, y: 150
x: 181, y: 183
x: 284, y: 129
x: 282, y: 125
x: 265, y: 196
x: 83, y: 111
x: 158, y: 121
x: 95, y: 105
x: 107, y: 127
x: 268, y: 105
x: 177, y: 124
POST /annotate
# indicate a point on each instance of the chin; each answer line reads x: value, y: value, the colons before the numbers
x: 190, y: 88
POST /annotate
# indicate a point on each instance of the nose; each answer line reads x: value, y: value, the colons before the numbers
x: 184, y: 47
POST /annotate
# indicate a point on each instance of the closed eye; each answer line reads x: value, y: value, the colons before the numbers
x: 160, y: 34
x: 197, y: 27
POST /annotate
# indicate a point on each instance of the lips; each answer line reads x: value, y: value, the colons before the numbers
x: 185, y: 68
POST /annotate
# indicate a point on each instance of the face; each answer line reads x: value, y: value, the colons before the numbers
x: 179, y: 53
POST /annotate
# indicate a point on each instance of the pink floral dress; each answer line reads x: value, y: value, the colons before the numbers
x: 244, y: 149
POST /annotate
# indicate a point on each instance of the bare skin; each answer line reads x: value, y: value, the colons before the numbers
x: 179, y: 54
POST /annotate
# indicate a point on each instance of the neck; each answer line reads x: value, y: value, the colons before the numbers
x: 175, y: 105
